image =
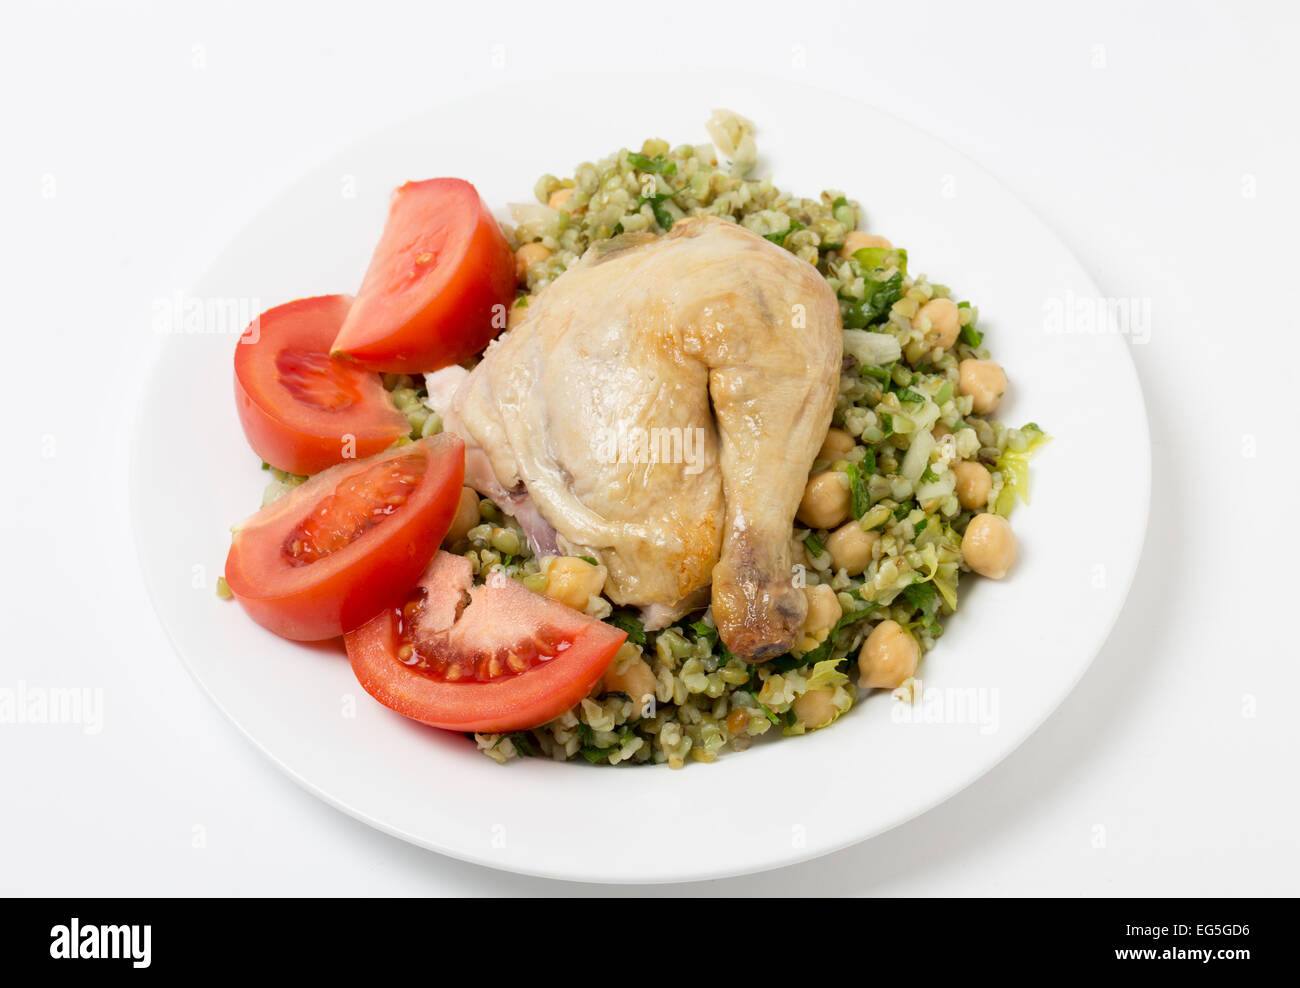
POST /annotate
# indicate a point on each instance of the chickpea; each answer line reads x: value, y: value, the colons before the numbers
x: 850, y: 547
x: 823, y: 611
x: 944, y: 321
x: 837, y: 445
x: 984, y: 381
x: 888, y: 657
x: 973, y: 484
x: 856, y: 240
x: 573, y: 581
x: 815, y: 708
x: 989, y: 546
x: 466, y: 517
x: 528, y: 255
x: 637, y: 680
x: 940, y: 430
x: 560, y: 199
x: 516, y: 314
x: 826, y: 501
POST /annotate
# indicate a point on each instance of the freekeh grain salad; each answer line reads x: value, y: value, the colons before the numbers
x: 911, y: 486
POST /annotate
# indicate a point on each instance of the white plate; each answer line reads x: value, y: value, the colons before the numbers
x: 1017, y: 646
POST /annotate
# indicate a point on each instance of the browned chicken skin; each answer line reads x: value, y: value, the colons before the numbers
x: 660, y: 405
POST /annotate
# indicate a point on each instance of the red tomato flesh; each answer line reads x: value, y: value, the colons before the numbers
x: 303, y: 410
x: 349, y: 542
x: 430, y: 297
x: 491, y: 658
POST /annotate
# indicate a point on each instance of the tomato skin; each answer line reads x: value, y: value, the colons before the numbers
x: 298, y: 436
x: 342, y: 591
x: 429, y: 296
x: 512, y: 704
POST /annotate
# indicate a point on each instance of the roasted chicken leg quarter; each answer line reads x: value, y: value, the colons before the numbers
x: 659, y: 407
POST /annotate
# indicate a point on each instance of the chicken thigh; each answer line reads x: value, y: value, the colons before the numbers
x: 659, y: 407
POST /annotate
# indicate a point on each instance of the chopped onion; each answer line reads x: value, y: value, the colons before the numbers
x: 871, y: 349
x: 918, y: 455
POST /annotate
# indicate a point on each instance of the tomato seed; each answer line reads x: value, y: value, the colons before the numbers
x: 357, y: 505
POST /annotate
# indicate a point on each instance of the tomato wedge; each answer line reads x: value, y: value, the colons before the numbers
x: 429, y: 297
x: 303, y: 410
x: 334, y: 552
x: 508, y: 660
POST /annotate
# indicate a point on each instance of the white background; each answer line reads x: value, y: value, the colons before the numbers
x: 1159, y: 143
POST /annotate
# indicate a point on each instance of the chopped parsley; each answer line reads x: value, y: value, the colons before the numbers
x: 878, y: 374
x: 662, y: 216
x: 885, y: 270
x: 658, y: 165
x: 922, y: 596
x: 780, y: 238
x: 705, y: 631
x: 858, y: 488
x: 523, y: 744
x: 629, y: 622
